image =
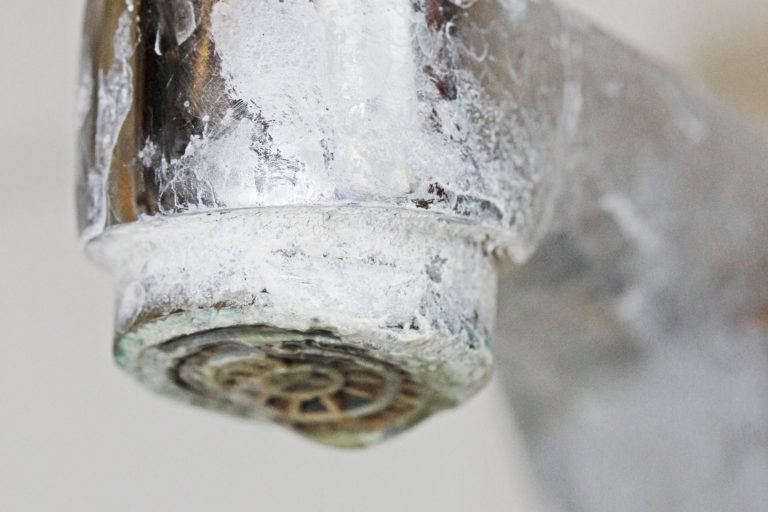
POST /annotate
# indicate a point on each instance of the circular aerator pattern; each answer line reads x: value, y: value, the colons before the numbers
x: 309, y: 382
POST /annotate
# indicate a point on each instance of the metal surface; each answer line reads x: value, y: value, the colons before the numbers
x: 295, y: 127
x: 328, y: 392
x: 201, y: 105
x: 364, y: 169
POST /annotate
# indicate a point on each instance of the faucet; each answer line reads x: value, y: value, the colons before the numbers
x: 321, y: 213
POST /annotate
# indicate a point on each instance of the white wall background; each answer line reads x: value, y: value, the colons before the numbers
x: 721, y: 42
x: 76, y: 435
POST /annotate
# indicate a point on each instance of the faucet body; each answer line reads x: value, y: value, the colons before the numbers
x: 307, y: 205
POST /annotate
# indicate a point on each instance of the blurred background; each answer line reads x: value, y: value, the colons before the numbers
x: 76, y: 434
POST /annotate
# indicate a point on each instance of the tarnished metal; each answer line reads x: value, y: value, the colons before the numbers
x: 305, y: 201
x: 199, y: 105
x: 165, y: 62
x: 332, y: 393
x: 353, y: 117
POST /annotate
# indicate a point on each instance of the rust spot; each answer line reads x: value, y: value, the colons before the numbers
x: 445, y: 85
x: 437, y: 14
x: 436, y: 189
x: 435, y: 18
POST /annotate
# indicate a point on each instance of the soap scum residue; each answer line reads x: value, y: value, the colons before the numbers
x: 334, y: 103
x: 333, y: 113
x: 336, y: 91
x: 185, y: 20
x: 114, y: 100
